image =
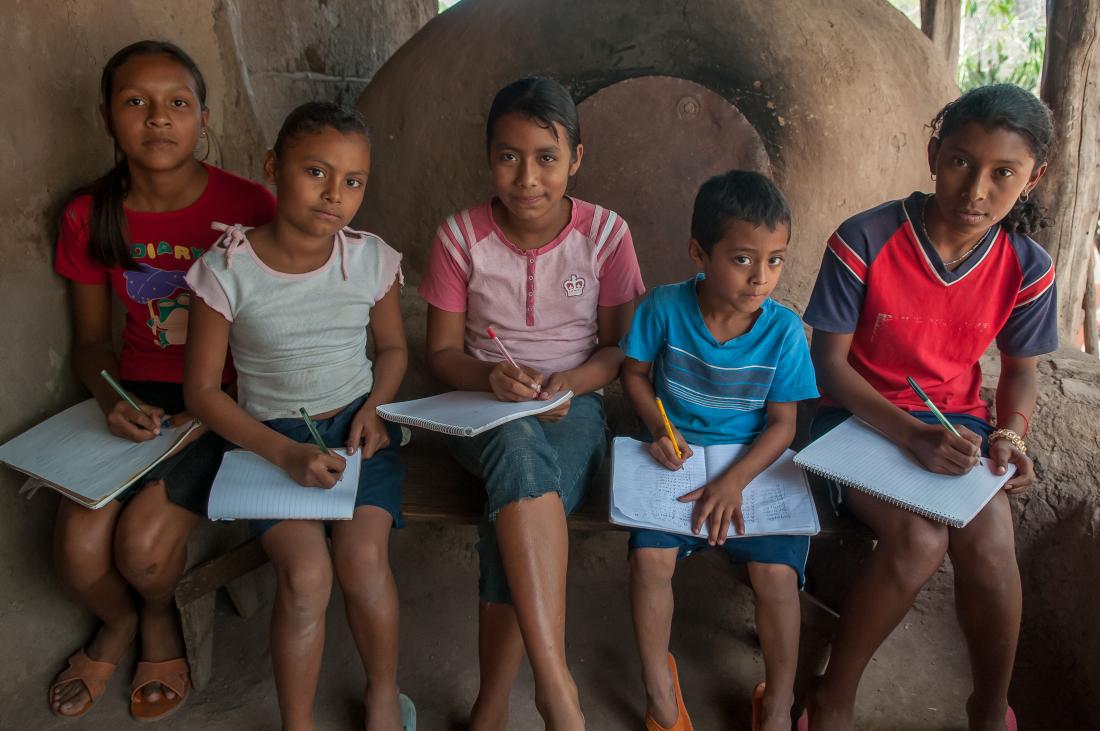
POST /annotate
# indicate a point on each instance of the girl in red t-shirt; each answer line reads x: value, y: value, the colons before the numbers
x: 135, y: 232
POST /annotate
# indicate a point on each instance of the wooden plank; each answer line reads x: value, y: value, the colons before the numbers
x: 217, y: 572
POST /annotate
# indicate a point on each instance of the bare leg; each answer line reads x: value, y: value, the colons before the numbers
x: 360, y: 549
x: 778, y: 619
x: 988, y: 602
x: 534, y: 546
x: 82, y: 556
x: 652, y: 604
x: 910, y: 549
x: 303, y: 576
x: 500, y: 652
x: 151, y: 553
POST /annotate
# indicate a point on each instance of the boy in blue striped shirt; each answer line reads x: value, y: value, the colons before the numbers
x: 729, y: 364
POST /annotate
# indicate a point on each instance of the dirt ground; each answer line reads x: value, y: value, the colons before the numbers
x: 919, y: 680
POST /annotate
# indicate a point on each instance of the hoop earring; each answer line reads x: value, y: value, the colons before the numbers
x: 1024, y: 196
x: 209, y: 144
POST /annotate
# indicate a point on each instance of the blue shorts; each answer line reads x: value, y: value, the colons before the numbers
x: 380, y: 476
x: 788, y: 550
x: 528, y: 458
x: 828, y: 418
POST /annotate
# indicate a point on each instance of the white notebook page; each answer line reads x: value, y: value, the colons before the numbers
x: 248, y: 486
x: 465, y: 413
x: 856, y: 454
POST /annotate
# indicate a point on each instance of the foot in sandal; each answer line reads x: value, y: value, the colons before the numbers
x: 683, y: 721
x: 161, y: 641
x: 171, y: 677
x: 77, y: 688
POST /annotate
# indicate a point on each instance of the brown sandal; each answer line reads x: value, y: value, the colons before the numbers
x: 93, y: 674
x: 173, y: 675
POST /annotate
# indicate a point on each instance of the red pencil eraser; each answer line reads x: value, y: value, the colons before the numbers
x: 491, y: 333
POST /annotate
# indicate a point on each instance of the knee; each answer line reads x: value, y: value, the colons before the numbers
x: 81, y: 560
x: 773, y: 582
x: 305, y: 585
x: 652, y: 564
x: 363, y: 569
x: 917, y: 551
x: 143, y: 555
x: 985, y: 558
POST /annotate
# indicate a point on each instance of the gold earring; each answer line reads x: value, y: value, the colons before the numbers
x: 1024, y: 196
x: 933, y: 176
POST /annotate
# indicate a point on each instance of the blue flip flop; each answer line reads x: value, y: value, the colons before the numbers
x: 408, y: 712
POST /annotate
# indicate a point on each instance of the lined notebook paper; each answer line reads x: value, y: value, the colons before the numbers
x: 76, y: 454
x: 465, y: 413
x: 644, y: 493
x: 858, y: 455
x: 248, y: 486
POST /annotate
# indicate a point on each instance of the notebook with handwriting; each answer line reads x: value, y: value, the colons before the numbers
x: 858, y: 455
x: 75, y: 454
x: 644, y: 492
x: 465, y: 413
x: 249, y: 487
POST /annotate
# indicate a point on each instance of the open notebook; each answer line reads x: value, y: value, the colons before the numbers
x: 248, y: 486
x: 76, y: 454
x: 858, y: 455
x: 644, y: 492
x: 465, y: 413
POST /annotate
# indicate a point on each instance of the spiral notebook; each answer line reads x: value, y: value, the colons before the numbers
x: 858, y: 455
x: 465, y: 413
x: 644, y: 493
x: 75, y: 454
x: 249, y: 487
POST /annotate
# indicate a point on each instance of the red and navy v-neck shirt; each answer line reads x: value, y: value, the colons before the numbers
x: 882, y: 280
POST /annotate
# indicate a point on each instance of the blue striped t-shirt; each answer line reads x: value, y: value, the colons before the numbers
x: 716, y: 393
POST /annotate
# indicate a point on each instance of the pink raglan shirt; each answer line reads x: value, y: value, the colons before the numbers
x: 542, y: 303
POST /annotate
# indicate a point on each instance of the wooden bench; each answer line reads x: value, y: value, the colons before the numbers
x: 438, y: 490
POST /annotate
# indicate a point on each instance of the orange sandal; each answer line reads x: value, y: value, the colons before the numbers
x: 173, y: 675
x: 757, y: 707
x: 93, y: 674
x: 683, y: 721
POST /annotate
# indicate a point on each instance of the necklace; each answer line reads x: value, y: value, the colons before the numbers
x: 968, y: 252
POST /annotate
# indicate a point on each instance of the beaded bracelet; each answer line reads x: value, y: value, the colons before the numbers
x: 1012, y: 437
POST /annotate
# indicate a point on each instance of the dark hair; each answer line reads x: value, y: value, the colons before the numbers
x: 108, y: 237
x: 1005, y: 106
x: 739, y: 194
x: 543, y: 100
x: 312, y: 118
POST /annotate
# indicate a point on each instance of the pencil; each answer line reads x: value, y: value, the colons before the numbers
x: 931, y: 406
x: 668, y: 428
x: 505, y: 353
x: 128, y: 398
x: 313, y: 431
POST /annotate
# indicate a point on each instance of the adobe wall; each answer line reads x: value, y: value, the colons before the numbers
x: 260, y: 59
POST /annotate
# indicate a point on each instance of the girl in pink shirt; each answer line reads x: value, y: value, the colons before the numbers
x: 556, y: 278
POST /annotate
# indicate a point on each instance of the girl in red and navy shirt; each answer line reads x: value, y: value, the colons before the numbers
x: 133, y: 234
x: 921, y: 287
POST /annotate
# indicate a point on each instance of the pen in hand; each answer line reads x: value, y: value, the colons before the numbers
x: 931, y: 406
x: 504, y: 351
x: 129, y: 399
x: 313, y: 431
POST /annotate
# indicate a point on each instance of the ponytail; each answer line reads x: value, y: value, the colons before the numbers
x: 108, y: 237
x: 1026, y: 217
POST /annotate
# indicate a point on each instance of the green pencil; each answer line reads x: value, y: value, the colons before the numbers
x: 931, y: 406
x: 313, y: 431
x: 120, y: 390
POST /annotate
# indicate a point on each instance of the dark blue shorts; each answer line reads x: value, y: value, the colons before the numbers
x: 789, y: 550
x: 380, y: 476
x: 828, y: 418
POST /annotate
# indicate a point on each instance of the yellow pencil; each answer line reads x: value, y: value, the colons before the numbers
x: 668, y: 428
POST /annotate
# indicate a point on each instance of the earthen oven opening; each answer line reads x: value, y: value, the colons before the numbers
x: 650, y: 142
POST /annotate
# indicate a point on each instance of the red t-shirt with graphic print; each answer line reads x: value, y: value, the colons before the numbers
x: 163, y: 245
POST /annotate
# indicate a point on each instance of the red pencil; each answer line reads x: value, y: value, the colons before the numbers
x: 504, y: 351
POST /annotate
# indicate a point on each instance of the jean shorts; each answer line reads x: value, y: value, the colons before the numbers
x: 380, y: 476
x: 828, y: 418
x: 528, y: 458
x: 789, y: 550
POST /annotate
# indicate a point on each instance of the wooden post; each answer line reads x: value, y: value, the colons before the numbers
x: 1071, y: 192
x: 1089, y: 304
x: 941, y: 21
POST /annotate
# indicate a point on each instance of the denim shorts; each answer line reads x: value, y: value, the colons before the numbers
x: 528, y: 458
x: 788, y: 550
x: 828, y: 418
x: 380, y: 476
x: 189, y: 473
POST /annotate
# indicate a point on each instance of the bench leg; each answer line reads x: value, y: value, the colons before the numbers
x: 244, y: 592
x: 197, y: 623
